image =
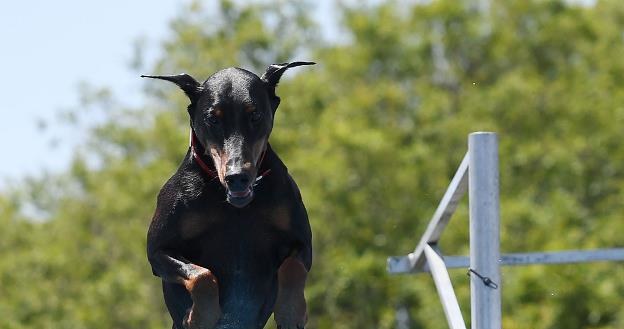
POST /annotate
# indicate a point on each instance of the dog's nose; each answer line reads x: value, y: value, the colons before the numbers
x: 237, y: 182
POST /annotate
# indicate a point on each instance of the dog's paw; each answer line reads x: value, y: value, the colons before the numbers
x: 290, y: 313
x: 197, y: 318
x: 290, y: 321
x: 205, y: 311
x: 191, y: 321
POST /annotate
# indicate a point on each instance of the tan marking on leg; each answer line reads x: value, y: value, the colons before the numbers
x: 290, y: 307
x: 205, y: 312
x: 280, y: 217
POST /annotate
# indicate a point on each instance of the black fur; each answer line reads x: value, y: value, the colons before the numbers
x: 197, y: 220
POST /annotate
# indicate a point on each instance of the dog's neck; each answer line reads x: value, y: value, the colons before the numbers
x: 210, y: 170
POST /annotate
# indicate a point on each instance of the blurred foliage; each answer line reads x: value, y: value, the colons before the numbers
x: 372, y: 135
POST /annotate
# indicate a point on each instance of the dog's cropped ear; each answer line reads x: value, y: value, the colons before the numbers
x: 272, y: 76
x: 187, y: 83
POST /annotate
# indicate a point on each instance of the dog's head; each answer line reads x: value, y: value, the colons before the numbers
x: 232, y: 116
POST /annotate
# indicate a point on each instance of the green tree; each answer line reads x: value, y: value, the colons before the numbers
x: 372, y: 135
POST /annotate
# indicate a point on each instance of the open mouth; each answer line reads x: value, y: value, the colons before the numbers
x: 241, y: 198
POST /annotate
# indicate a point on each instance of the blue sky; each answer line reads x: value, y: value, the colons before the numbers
x: 48, y: 48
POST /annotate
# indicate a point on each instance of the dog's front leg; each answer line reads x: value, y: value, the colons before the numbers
x: 201, y: 284
x: 204, y: 290
x: 290, y: 306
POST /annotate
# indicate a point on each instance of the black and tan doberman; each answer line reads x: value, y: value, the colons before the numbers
x: 230, y: 236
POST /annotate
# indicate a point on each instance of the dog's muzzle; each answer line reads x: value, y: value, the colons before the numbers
x: 239, y: 189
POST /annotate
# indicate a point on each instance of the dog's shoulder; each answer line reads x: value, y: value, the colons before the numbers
x: 186, y: 184
x: 179, y: 191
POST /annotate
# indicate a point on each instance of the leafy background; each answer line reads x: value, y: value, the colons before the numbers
x: 372, y: 134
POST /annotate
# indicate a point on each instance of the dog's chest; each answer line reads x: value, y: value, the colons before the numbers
x: 244, y: 243
x: 261, y: 224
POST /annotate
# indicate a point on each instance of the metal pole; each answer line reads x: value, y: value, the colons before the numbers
x: 485, y: 301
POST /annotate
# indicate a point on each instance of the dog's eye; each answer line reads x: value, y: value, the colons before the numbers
x: 213, y: 119
x: 256, y: 116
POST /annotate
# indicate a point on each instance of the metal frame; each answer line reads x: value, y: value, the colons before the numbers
x: 478, y: 173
